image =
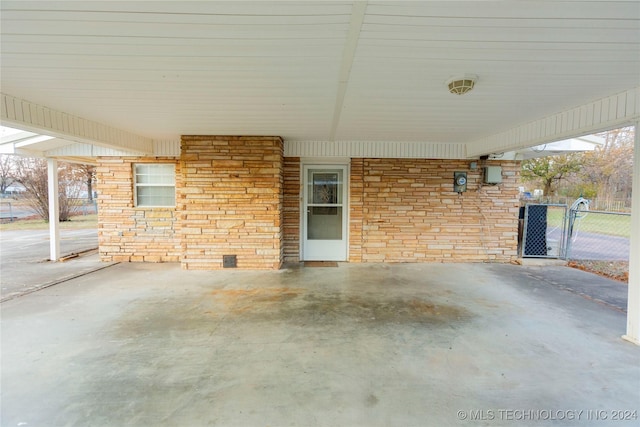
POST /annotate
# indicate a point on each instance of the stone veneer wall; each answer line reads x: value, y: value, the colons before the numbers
x: 230, y: 201
x: 292, y: 198
x: 411, y: 214
x: 127, y: 233
x: 239, y: 196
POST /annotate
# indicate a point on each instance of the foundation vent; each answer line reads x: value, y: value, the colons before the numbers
x: 229, y: 261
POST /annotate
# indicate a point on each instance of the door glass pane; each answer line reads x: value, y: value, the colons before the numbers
x: 324, y: 223
x: 324, y: 204
x: 325, y: 187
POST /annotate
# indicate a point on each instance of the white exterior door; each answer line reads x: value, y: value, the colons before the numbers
x: 324, y: 222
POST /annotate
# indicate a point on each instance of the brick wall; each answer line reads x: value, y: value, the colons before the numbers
x: 230, y: 201
x: 411, y: 214
x: 291, y: 210
x: 128, y: 233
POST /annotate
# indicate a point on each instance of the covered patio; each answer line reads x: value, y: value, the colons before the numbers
x: 361, y: 88
x: 356, y: 345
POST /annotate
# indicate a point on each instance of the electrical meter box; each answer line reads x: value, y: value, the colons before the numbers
x: 492, y: 174
x: 459, y: 182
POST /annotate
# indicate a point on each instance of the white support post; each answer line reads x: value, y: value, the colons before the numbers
x: 633, y: 303
x: 54, y: 211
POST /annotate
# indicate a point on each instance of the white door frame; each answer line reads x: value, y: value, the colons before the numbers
x: 304, y: 171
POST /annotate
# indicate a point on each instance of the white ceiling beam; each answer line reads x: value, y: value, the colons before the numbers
x: 633, y: 298
x: 606, y: 113
x: 348, y: 54
x: 32, y: 117
x: 32, y: 141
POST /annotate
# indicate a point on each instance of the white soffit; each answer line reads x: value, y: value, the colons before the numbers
x: 15, y: 141
x: 607, y: 113
x: 372, y: 72
x: 566, y: 146
x: 44, y: 120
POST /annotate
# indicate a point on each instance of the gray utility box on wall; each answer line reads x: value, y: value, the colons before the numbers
x: 492, y: 174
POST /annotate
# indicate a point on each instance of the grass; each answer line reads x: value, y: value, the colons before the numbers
x: 593, y: 222
x: 77, y: 222
x: 612, y: 225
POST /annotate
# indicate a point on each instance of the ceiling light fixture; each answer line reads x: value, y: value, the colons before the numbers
x: 460, y: 85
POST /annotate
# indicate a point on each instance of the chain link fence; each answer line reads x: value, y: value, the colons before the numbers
x: 604, y: 204
x: 6, y: 212
x: 575, y: 233
x: 598, y: 236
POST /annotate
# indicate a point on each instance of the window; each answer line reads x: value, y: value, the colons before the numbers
x: 155, y: 184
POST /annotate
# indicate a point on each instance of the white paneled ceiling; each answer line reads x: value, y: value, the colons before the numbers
x: 318, y: 71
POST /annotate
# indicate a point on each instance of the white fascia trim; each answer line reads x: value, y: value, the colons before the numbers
x: 26, y: 115
x: 88, y: 150
x: 604, y: 114
x: 160, y: 149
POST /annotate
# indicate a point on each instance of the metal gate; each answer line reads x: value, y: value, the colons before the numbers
x: 544, y: 231
x: 576, y: 233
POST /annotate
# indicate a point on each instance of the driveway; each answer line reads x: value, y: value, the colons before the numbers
x: 594, y: 246
x: 356, y: 345
x: 24, y: 258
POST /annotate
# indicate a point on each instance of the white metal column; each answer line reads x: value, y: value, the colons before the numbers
x: 54, y: 212
x: 633, y: 303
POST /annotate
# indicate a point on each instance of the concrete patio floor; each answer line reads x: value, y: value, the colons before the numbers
x: 356, y: 345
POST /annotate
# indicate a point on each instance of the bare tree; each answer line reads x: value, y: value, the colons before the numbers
x: 32, y: 174
x: 610, y: 167
x: 88, y: 172
x: 7, y: 172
